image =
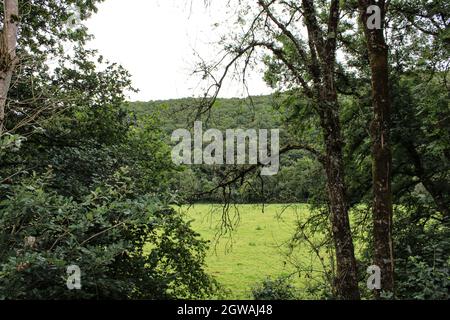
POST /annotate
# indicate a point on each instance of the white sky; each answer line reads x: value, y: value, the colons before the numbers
x: 155, y: 41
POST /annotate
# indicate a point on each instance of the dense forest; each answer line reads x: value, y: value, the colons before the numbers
x: 361, y: 99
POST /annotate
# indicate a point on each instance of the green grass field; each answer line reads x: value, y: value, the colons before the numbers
x: 256, y: 249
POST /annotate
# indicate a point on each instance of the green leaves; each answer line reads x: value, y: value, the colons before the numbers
x: 275, y: 289
x: 10, y: 143
x: 105, y: 236
x: 426, y: 282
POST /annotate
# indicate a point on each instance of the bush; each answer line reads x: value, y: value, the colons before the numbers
x: 126, y: 248
x: 425, y: 282
x: 421, y: 248
x: 274, y: 289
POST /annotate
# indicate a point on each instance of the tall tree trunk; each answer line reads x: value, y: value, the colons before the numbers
x: 381, y: 150
x: 346, y: 281
x: 321, y: 70
x: 347, y: 278
x: 8, y: 58
x: 323, y: 54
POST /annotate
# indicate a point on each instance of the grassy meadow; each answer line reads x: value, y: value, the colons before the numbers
x: 256, y: 248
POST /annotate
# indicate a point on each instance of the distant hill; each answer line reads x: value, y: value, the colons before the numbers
x: 257, y: 112
x: 291, y: 184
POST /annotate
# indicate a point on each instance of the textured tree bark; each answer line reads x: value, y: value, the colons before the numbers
x: 381, y: 150
x: 346, y: 281
x: 320, y: 68
x: 323, y: 52
x: 8, y: 58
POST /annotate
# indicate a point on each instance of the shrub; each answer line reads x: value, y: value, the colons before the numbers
x: 421, y: 248
x: 425, y: 282
x: 274, y: 289
x: 126, y: 248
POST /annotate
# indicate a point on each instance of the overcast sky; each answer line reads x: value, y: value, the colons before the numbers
x: 155, y: 41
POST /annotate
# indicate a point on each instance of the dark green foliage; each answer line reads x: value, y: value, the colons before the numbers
x: 274, y: 289
x: 424, y: 281
x: 422, y: 260
x: 82, y: 181
x: 103, y: 208
x: 126, y: 248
